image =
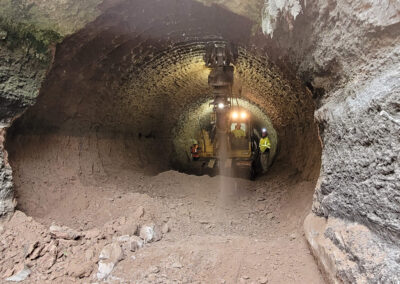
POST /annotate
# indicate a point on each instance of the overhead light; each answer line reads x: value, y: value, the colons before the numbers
x: 264, y: 130
x: 243, y: 115
x: 221, y: 105
x: 235, y: 115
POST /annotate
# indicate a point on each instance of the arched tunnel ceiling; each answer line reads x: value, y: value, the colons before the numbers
x: 139, y: 65
x: 148, y: 54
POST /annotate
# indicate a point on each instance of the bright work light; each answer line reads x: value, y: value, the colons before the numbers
x: 235, y: 115
x: 221, y: 105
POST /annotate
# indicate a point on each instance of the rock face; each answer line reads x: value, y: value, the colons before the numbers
x: 22, y: 70
x: 6, y: 194
x: 351, y: 252
x: 361, y: 137
x: 354, y: 74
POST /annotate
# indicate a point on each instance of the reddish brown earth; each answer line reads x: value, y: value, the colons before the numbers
x: 221, y: 230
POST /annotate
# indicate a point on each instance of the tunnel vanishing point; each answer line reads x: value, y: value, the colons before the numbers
x: 97, y: 85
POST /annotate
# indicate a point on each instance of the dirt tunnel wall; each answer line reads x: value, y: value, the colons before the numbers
x: 345, y: 53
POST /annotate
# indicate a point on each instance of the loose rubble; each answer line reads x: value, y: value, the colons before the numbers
x: 57, y: 251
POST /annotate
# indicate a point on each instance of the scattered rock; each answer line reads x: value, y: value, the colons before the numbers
x: 80, y: 270
x: 64, y: 233
x: 177, y: 265
x: 111, y: 252
x: 293, y: 236
x: 135, y: 243
x: 2, y: 230
x: 49, y: 259
x: 109, y: 256
x: 150, y: 233
x: 20, y: 276
x: 130, y: 243
x: 270, y: 216
x: 139, y: 213
x: 204, y: 222
x: 31, y: 248
x: 36, y: 253
x: 105, y: 268
x: 263, y: 280
x: 155, y: 269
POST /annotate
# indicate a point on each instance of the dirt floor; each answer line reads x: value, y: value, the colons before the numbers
x: 206, y: 229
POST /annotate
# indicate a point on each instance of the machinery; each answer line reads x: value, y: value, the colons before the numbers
x: 229, y: 142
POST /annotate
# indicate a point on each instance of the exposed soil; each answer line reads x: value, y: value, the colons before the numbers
x: 220, y: 230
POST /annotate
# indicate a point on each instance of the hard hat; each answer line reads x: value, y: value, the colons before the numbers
x: 194, y: 142
x: 264, y: 132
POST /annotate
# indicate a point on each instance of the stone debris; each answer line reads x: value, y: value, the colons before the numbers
x: 135, y: 243
x: 31, y: 248
x: 130, y: 243
x: 155, y: 269
x: 150, y: 233
x: 263, y: 280
x: 80, y: 270
x: 177, y: 265
x: 109, y: 256
x: 49, y: 259
x: 20, y: 276
x: 64, y: 233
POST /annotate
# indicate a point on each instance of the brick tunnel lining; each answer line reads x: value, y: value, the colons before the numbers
x: 117, y: 87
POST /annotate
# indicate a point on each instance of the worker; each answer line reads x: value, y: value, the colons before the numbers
x: 238, y: 132
x: 265, y: 146
x: 195, y: 152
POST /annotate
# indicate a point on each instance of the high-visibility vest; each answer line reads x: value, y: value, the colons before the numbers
x: 238, y: 133
x: 264, y: 144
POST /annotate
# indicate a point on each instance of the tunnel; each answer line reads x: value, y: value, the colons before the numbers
x: 125, y: 93
x: 98, y: 168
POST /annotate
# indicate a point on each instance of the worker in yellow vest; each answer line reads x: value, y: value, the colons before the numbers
x: 265, y: 146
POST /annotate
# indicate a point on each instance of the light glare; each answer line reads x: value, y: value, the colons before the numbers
x: 235, y: 115
x: 243, y: 115
x: 221, y: 105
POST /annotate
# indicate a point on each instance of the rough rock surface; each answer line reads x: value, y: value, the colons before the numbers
x: 361, y: 135
x: 351, y: 252
x: 351, y: 60
x: 6, y: 186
